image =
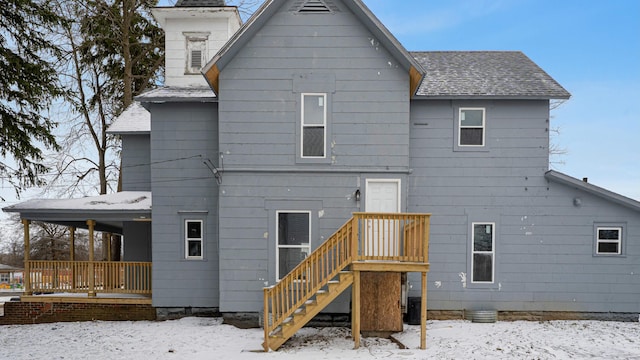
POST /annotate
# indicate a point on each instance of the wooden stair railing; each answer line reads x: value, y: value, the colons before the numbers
x: 387, y: 239
x: 308, y: 288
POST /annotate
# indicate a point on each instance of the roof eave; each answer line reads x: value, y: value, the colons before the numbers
x: 489, y: 97
x: 564, y: 179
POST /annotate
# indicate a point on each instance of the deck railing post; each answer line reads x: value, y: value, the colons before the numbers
x: 425, y: 239
x: 265, y: 319
x: 91, y: 224
x: 355, y: 222
x: 27, y: 249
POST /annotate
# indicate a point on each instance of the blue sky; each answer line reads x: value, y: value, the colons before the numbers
x: 591, y: 47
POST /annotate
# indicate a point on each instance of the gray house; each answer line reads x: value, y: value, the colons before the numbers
x: 312, y: 111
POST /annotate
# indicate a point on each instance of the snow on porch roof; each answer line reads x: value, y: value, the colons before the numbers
x: 125, y: 201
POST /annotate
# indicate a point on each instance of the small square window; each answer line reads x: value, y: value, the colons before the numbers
x: 609, y: 240
x: 193, y: 239
x: 471, y: 127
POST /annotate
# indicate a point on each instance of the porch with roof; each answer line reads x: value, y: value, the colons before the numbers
x: 92, y: 281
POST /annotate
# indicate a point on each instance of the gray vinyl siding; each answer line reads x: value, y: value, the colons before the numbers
x: 368, y: 136
x: 544, y: 244
x: 183, y: 137
x: 247, y: 227
x: 136, y: 159
x: 369, y: 93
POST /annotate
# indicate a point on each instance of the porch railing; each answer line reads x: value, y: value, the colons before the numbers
x: 89, y: 276
x: 392, y: 237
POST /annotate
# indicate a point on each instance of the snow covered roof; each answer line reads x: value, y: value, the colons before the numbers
x: 5, y: 268
x: 121, y: 201
x: 135, y: 119
x: 109, y: 211
x: 178, y: 94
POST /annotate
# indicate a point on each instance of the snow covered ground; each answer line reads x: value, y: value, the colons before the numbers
x: 208, y: 338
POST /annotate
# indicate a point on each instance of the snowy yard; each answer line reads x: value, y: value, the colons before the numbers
x: 208, y: 338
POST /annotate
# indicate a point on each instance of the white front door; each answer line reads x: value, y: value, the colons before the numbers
x: 381, y: 236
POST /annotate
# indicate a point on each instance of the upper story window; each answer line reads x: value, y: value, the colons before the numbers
x: 193, y: 239
x: 313, y: 143
x: 294, y: 235
x: 196, y: 52
x: 483, y: 252
x: 471, y: 127
x: 608, y: 240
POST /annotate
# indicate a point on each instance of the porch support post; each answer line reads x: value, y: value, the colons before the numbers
x: 355, y: 309
x: 72, y: 255
x: 108, y: 245
x: 423, y: 315
x: 27, y: 249
x: 91, y: 224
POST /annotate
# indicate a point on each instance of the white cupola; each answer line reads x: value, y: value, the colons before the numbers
x: 194, y: 32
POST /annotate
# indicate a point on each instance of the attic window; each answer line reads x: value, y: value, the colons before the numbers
x: 196, y: 52
x: 314, y: 7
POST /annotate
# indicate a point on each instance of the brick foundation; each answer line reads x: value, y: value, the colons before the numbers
x: 16, y: 312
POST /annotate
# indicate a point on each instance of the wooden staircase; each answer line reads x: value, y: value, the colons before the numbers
x: 396, y: 242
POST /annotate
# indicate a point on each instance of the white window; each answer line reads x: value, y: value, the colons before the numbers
x: 482, y: 252
x: 314, y: 125
x: 609, y: 240
x: 471, y: 127
x: 294, y: 240
x: 196, y: 52
x: 193, y: 239
x: 4, y: 278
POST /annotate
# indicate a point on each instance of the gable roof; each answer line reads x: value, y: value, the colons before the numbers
x: 200, y: 3
x: 561, y: 178
x: 211, y: 70
x: 485, y: 74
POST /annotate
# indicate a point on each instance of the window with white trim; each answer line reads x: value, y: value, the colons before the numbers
x: 483, y: 252
x: 608, y: 240
x: 294, y: 240
x: 193, y: 239
x: 471, y: 127
x: 4, y: 278
x: 196, y: 52
x: 313, y: 142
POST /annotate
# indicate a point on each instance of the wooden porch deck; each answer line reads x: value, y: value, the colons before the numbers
x: 371, y: 242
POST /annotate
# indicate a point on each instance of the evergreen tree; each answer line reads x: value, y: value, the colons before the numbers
x: 28, y: 83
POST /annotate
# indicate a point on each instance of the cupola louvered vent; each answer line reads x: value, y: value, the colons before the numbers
x: 314, y: 7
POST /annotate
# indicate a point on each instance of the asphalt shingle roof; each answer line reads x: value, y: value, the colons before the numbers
x: 200, y: 3
x: 508, y: 74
